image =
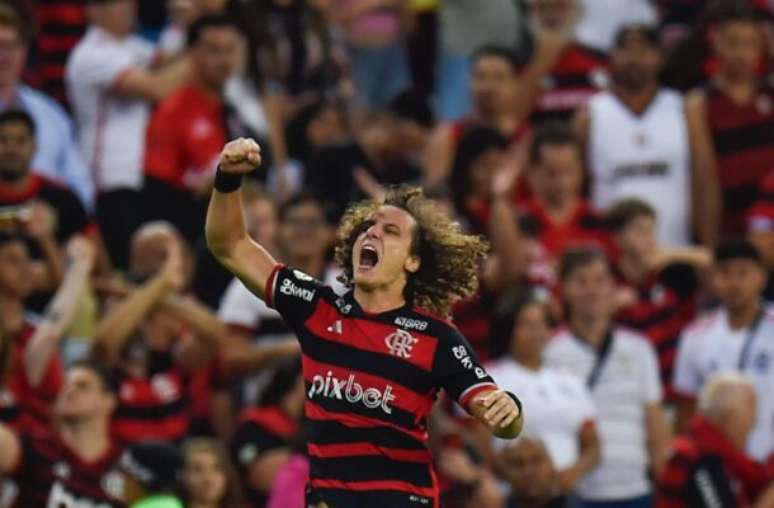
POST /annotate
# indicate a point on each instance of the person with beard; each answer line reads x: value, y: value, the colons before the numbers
x: 639, y: 144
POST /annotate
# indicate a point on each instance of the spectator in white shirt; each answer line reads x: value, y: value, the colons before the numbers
x: 621, y: 369
x: 559, y: 403
x: 57, y: 155
x: 735, y: 338
x: 111, y: 86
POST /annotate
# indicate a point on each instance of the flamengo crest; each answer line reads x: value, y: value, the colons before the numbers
x: 400, y: 343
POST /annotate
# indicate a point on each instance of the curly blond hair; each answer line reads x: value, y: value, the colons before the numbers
x: 450, y: 258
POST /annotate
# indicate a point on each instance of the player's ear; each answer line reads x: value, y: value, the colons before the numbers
x: 412, y: 264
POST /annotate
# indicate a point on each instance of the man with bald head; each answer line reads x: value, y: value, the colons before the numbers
x: 709, y: 466
x: 527, y: 467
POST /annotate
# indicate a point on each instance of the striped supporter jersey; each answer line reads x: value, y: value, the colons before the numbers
x: 371, y: 380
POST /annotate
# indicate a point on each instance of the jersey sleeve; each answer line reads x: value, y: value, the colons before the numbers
x: 458, y: 370
x: 102, y: 68
x: 687, y: 377
x: 293, y: 294
x: 651, y: 380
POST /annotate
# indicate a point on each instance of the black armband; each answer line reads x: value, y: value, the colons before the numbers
x: 227, y: 182
x: 515, y: 399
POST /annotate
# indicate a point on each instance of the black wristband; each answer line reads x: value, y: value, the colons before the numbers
x: 515, y: 399
x: 227, y: 182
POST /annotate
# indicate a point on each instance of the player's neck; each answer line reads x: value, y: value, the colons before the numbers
x: 744, y: 316
x: 88, y: 439
x: 590, y: 329
x: 376, y: 301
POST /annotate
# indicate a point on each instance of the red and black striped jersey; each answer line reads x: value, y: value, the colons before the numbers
x: 666, y: 303
x: 156, y: 406
x: 579, y: 73
x: 34, y: 402
x: 9, y: 410
x: 743, y: 135
x: 50, y: 474
x: 371, y: 380
x: 261, y: 429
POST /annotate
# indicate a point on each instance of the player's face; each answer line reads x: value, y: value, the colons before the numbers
x: 215, y: 55
x: 530, y: 331
x: 491, y: 84
x: 382, y: 253
x: 638, y: 238
x: 739, y: 282
x: 83, y: 396
x: 558, y: 175
x: 304, y: 233
x: 588, y: 290
x: 15, y: 270
x: 12, y: 56
x: 528, y: 468
x: 636, y: 63
x: 738, y: 46
x: 205, y: 481
x: 17, y: 147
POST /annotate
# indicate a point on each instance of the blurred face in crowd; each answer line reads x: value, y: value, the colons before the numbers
x: 204, y: 478
x: 382, y: 254
x: 588, y: 291
x: 738, y: 45
x: 215, y: 55
x: 528, y: 468
x: 262, y: 221
x: 13, y: 54
x: 83, y: 396
x: 17, y: 147
x: 764, y: 242
x: 635, y: 64
x: 555, y: 14
x: 558, y: 174
x: 482, y: 170
x: 739, y: 283
x: 325, y: 128
x: 380, y: 135
x: 492, y: 84
x: 304, y: 232
x: 116, y: 16
x: 637, y: 239
x: 16, y: 277
x: 530, y: 332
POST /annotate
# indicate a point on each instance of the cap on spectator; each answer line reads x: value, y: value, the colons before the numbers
x: 155, y: 465
x: 737, y: 249
x: 761, y: 218
x: 647, y: 32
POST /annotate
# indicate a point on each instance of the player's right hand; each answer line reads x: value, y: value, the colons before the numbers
x: 240, y: 156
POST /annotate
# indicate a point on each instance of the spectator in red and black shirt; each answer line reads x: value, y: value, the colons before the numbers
x: 760, y: 230
x: 76, y: 462
x: 708, y: 466
x: 375, y: 358
x: 555, y: 218
x: 657, y: 287
x: 261, y: 444
x: 20, y: 186
x: 34, y: 375
x: 736, y: 114
x: 561, y: 73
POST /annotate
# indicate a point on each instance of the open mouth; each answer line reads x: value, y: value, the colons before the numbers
x: 369, y: 257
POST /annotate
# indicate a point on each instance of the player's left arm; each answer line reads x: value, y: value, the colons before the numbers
x: 460, y: 373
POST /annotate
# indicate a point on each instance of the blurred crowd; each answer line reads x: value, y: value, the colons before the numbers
x: 617, y: 154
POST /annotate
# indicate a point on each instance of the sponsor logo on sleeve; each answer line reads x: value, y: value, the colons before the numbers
x: 290, y: 289
x: 343, y: 306
x: 302, y: 276
x: 461, y: 354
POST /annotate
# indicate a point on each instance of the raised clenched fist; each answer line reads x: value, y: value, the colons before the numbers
x: 240, y: 156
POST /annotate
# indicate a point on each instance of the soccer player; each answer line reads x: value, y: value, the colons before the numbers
x: 375, y: 358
